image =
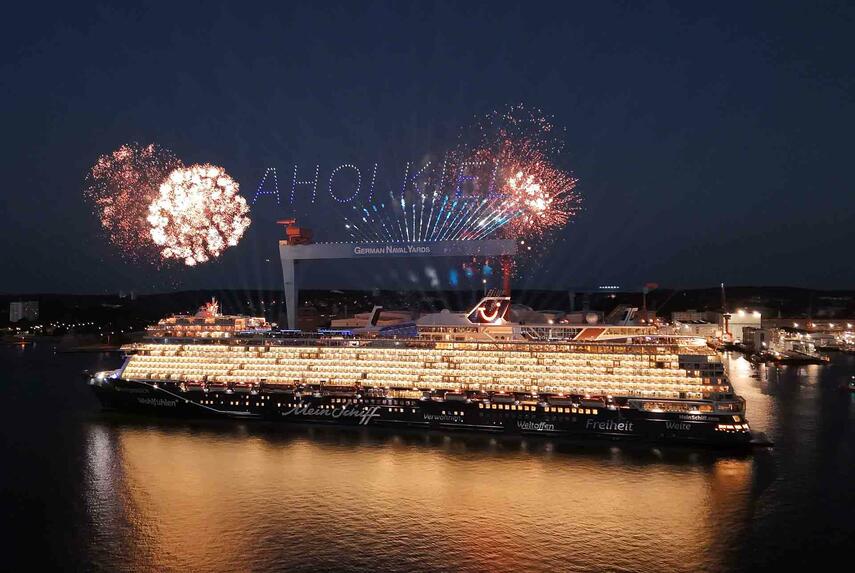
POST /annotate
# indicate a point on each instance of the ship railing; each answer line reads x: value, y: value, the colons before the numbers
x: 549, y: 333
x: 658, y: 347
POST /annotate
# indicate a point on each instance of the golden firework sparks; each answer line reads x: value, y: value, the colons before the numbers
x: 197, y: 214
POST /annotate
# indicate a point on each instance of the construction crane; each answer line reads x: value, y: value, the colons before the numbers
x: 295, y: 235
x: 725, y: 316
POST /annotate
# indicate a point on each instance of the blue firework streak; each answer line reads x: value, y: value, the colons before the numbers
x: 503, y: 180
x: 428, y: 217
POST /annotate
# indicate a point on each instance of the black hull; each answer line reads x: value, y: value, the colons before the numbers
x: 169, y: 400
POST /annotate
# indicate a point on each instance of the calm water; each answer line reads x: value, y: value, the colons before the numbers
x: 83, y: 490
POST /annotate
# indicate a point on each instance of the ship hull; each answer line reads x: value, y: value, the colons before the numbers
x: 290, y: 406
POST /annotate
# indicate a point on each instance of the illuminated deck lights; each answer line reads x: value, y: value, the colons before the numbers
x: 437, y: 367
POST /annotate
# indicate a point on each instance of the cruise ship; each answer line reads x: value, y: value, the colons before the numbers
x: 476, y: 371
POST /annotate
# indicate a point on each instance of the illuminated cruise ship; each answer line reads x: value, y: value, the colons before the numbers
x: 476, y: 371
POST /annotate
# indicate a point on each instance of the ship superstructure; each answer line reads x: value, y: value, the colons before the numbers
x: 208, y: 322
x: 475, y: 370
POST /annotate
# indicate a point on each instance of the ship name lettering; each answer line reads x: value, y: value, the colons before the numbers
x: 539, y: 426
x: 696, y: 417
x: 131, y: 390
x: 443, y: 418
x: 157, y: 402
x: 608, y: 425
x: 678, y: 426
x: 365, y: 415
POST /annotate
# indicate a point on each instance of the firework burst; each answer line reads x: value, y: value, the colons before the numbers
x: 502, y: 180
x: 120, y: 187
x: 522, y: 146
x: 197, y: 214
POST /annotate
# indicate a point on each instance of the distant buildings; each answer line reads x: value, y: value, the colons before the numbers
x: 757, y: 339
x: 701, y: 323
x: 23, y: 310
x: 699, y: 328
x: 693, y: 315
x: 841, y: 324
x: 742, y: 319
x: 710, y: 324
x: 835, y: 334
x: 778, y: 341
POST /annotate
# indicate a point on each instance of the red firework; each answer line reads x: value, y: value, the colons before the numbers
x: 516, y: 154
x: 120, y: 186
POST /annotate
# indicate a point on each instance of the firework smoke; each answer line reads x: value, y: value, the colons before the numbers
x: 197, y: 214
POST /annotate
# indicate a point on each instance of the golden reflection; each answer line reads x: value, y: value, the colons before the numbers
x: 343, y: 500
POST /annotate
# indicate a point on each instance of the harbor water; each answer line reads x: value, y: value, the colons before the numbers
x: 91, y: 491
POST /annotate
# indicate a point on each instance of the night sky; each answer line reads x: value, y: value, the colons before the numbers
x: 712, y: 141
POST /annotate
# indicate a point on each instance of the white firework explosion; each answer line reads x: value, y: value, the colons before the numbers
x: 197, y: 214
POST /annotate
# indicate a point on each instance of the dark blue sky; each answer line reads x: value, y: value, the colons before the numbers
x: 713, y: 141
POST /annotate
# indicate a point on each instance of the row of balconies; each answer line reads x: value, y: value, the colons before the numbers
x: 397, y: 367
x: 403, y: 351
x: 332, y: 369
x: 596, y: 391
x: 535, y: 350
x: 477, y: 383
x: 405, y: 355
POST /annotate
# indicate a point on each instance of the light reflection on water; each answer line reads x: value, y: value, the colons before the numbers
x: 326, y: 498
x: 115, y: 493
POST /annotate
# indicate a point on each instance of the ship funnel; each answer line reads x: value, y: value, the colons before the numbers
x: 490, y: 310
